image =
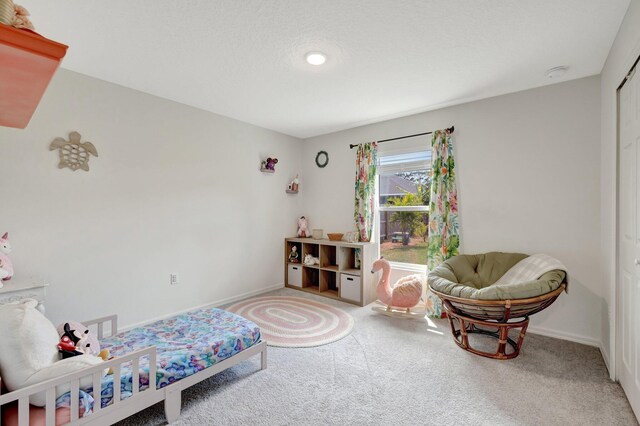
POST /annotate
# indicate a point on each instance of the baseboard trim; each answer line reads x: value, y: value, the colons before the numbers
x: 565, y: 336
x: 605, y: 357
x: 213, y: 304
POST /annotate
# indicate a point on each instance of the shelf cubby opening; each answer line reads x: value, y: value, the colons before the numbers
x: 310, y: 278
x: 310, y: 248
x: 329, y: 282
x: 350, y: 260
x: 328, y: 257
x: 298, y: 246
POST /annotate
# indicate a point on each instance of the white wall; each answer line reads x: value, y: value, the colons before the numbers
x: 174, y: 189
x: 624, y: 52
x: 528, y: 174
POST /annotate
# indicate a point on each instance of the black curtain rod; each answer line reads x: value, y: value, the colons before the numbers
x: 450, y: 130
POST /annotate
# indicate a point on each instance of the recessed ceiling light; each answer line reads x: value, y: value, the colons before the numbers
x: 316, y: 58
x: 556, y: 72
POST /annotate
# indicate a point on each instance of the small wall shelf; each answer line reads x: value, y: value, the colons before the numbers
x: 291, y: 192
x: 344, y: 272
x: 263, y: 170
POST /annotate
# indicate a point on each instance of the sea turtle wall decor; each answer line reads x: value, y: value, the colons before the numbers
x: 73, y: 154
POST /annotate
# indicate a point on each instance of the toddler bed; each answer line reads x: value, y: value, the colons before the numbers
x: 179, y: 352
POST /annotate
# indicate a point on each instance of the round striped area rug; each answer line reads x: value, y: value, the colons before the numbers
x: 293, y: 322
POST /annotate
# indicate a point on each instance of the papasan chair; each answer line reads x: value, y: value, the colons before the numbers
x: 476, y: 300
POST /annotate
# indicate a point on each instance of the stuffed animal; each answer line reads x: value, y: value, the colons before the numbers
x: 6, y: 267
x: 303, y: 228
x: 76, y: 339
x: 309, y: 260
x: 29, y: 353
x: 270, y: 164
x: 104, y: 354
x: 293, y: 256
x: 406, y: 292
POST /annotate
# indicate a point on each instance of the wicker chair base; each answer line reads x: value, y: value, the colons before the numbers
x: 470, y: 316
x: 462, y: 326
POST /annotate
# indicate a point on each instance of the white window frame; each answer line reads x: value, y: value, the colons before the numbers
x: 408, y: 267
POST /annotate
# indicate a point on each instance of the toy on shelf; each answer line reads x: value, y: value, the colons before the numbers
x: 6, y: 267
x: 295, y: 183
x: 292, y: 188
x: 303, y: 228
x: 293, y: 256
x: 399, y: 299
x: 269, y: 165
x: 310, y: 260
x: 351, y: 237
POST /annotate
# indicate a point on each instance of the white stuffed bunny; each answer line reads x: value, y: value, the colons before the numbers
x: 6, y: 267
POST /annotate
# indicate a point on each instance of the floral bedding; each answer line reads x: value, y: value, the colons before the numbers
x: 185, y: 344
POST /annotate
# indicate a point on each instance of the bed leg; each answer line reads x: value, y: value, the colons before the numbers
x: 263, y: 359
x: 172, y: 404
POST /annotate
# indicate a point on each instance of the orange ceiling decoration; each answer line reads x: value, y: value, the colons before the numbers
x: 28, y: 61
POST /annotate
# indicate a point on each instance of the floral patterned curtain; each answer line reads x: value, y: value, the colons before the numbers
x: 364, y: 213
x: 444, y: 236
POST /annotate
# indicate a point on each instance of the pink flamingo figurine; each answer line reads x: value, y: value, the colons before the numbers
x: 406, y: 293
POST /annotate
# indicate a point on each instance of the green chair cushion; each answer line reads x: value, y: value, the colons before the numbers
x: 473, y: 277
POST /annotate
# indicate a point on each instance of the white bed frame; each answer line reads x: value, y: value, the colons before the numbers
x: 139, y: 400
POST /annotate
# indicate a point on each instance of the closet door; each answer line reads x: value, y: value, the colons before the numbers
x: 628, y: 312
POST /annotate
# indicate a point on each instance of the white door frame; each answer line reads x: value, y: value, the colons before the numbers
x: 615, y: 294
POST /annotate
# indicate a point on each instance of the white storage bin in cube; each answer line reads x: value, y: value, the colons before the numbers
x: 295, y: 275
x: 350, y: 287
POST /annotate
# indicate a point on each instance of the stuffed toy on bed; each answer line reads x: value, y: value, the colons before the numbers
x: 29, y: 351
x: 76, y: 339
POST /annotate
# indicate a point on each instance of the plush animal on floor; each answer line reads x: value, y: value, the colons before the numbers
x: 6, y: 267
x: 405, y: 294
x: 303, y: 228
x: 309, y: 260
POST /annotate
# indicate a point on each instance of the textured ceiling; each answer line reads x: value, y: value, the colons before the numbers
x: 245, y: 59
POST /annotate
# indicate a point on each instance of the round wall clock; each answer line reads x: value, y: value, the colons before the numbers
x: 322, y: 159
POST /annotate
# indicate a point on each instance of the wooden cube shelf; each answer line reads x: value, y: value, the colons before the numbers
x: 339, y: 262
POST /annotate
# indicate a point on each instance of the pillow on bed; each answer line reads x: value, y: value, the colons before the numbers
x: 29, y: 352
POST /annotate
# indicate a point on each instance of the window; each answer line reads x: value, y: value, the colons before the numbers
x: 404, y: 188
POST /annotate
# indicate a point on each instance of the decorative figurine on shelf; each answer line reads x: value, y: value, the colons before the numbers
x: 293, y: 256
x: 270, y: 164
x: 295, y: 183
x: 310, y: 260
x: 303, y: 228
x: 6, y: 267
x: 351, y: 237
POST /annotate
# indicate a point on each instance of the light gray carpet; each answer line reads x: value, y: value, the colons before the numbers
x: 395, y: 371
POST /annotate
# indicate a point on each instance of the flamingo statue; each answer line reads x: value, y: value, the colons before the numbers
x: 405, y: 294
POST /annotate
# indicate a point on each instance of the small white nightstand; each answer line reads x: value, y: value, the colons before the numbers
x: 23, y: 288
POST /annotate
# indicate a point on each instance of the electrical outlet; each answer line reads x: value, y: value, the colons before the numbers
x: 174, y: 279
